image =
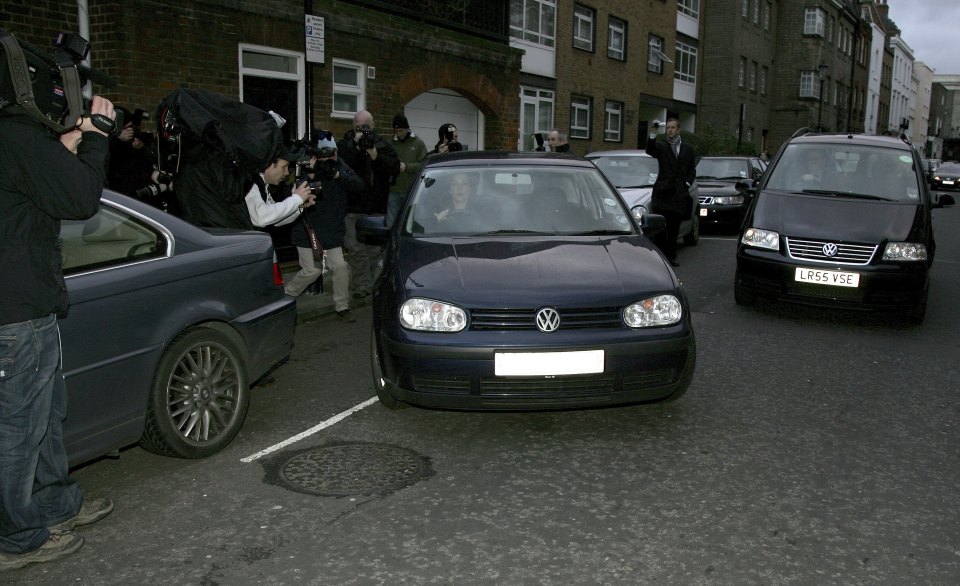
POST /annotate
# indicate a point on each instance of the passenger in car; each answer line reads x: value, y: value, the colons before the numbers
x: 460, y: 189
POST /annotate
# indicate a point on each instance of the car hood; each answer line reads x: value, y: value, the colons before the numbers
x: 527, y: 272
x: 635, y: 196
x: 830, y: 218
x: 715, y: 187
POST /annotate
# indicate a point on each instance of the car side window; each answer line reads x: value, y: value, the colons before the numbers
x: 110, y: 238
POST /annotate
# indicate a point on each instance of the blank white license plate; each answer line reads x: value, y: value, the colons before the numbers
x: 703, y: 211
x: 947, y: 182
x: 835, y: 278
x: 548, y: 363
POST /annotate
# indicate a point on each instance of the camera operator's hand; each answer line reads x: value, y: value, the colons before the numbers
x: 303, y: 190
x: 71, y: 139
x: 372, y: 151
x: 101, y: 106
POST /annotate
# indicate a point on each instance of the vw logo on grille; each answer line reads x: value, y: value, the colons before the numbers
x: 548, y: 320
x: 830, y: 249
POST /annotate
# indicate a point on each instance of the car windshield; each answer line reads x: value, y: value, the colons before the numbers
x: 626, y: 171
x: 949, y: 168
x: 847, y: 169
x: 511, y: 199
x: 722, y: 169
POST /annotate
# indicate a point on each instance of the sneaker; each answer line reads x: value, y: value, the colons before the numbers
x: 91, y: 511
x: 346, y: 315
x: 59, y: 545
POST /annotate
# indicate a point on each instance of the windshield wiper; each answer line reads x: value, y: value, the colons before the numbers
x: 633, y: 186
x: 845, y: 194
x: 516, y: 232
x: 601, y: 233
x: 730, y: 178
x: 705, y: 177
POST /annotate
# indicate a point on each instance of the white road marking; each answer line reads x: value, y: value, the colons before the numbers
x: 335, y: 419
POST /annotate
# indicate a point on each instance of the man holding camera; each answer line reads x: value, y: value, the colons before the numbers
x: 671, y: 191
x: 375, y: 161
x: 449, y: 140
x: 44, y: 178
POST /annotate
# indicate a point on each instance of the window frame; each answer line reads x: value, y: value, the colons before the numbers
x: 584, y: 14
x: 360, y: 90
x: 655, y: 52
x: 580, y: 104
x: 689, y: 7
x: 524, y: 32
x: 814, y: 26
x: 537, y: 97
x: 612, y: 110
x: 612, y: 28
x: 685, y: 68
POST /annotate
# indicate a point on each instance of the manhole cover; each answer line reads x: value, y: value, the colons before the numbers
x: 346, y: 469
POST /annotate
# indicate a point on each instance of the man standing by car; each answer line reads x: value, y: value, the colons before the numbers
x: 671, y: 191
x: 411, y: 151
x: 558, y: 141
x: 375, y: 161
x: 42, y: 181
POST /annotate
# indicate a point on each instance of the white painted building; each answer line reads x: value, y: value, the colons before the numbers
x: 920, y: 125
x: 901, y: 90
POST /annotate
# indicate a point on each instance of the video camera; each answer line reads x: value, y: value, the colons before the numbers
x: 49, y: 87
x: 368, y: 138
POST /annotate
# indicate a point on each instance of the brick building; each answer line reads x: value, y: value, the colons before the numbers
x: 437, y: 61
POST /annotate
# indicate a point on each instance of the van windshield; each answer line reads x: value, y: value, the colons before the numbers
x: 838, y: 169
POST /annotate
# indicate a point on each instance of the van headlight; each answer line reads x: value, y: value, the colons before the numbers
x: 761, y: 238
x: 905, y: 251
x: 429, y: 315
x: 662, y: 310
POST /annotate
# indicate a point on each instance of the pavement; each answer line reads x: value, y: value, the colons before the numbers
x: 310, y: 307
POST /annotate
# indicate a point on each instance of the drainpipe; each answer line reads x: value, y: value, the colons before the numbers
x: 83, y: 29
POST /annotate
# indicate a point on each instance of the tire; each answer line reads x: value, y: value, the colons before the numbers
x: 199, y: 398
x: 386, y: 399
x: 741, y: 296
x: 693, y: 237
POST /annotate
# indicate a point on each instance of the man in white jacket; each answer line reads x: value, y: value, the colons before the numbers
x: 266, y: 212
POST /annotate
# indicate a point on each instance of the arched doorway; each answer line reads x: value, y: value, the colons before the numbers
x: 437, y: 106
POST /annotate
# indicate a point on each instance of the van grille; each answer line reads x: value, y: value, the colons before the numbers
x: 815, y: 251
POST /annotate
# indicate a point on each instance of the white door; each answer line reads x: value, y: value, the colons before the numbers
x: 431, y: 109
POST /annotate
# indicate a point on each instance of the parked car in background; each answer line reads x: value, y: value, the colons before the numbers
x: 842, y: 220
x: 930, y: 166
x: 947, y: 176
x: 720, y: 202
x: 169, y: 325
x: 522, y: 281
x: 633, y: 173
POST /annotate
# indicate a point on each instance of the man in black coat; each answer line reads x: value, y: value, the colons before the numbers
x: 671, y: 192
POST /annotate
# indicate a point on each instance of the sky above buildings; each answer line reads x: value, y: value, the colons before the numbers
x: 930, y: 27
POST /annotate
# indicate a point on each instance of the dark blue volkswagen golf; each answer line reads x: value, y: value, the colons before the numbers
x: 522, y: 281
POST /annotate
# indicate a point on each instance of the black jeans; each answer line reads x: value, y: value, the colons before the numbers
x: 666, y: 241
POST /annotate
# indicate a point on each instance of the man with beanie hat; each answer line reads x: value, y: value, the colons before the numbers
x: 411, y: 151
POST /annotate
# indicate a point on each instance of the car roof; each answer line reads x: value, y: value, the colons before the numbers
x: 861, y: 139
x: 618, y: 153
x: 489, y: 158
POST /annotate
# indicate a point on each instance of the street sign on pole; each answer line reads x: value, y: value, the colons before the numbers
x: 314, y: 38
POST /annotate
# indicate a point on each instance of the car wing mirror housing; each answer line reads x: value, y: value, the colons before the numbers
x: 653, y: 224
x: 372, y: 230
x: 746, y: 187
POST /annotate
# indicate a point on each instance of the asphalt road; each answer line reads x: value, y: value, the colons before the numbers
x: 814, y: 447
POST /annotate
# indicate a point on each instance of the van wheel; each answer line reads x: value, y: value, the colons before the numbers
x: 386, y: 399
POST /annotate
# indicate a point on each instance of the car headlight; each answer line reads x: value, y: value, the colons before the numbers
x: 761, y: 238
x: 728, y: 200
x: 905, y: 251
x: 661, y: 310
x: 429, y: 315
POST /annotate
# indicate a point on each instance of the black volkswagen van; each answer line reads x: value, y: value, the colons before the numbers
x: 840, y: 220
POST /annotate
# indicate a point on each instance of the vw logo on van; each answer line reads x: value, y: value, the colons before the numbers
x: 830, y: 249
x: 548, y: 320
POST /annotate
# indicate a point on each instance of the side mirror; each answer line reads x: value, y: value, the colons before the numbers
x: 651, y: 224
x: 746, y: 186
x: 372, y: 230
x: 942, y: 200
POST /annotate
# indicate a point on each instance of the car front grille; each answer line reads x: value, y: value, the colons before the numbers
x: 816, y: 251
x: 706, y: 200
x: 525, y: 319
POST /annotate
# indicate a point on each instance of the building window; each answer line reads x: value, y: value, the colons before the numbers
x: 763, y: 80
x: 536, y: 114
x: 813, y: 19
x: 686, y: 63
x: 809, y: 84
x: 613, y: 122
x: 742, y: 74
x: 756, y: 11
x: 657, y: 57
x: 583, y: 30
x: 617, y: 39
x: 689, y: 7
x: 753, y: 76
x: 766, y: 16
x: 533, y: 20
x: 348, y: 88
x: 580, y: 107
x: 745, y: 8
x: 273, y: 79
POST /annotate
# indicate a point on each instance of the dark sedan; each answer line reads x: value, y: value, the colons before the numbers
x: 947, y: 176
x: 720, y: 202
x: 522, y: 281
x: 168, y: 327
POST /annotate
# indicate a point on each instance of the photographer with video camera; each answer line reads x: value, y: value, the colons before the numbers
x: 132, y: 169
x: 334, y: 184
x: 375, y: 161
x: 449, y: 140
x: 53, y: 155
